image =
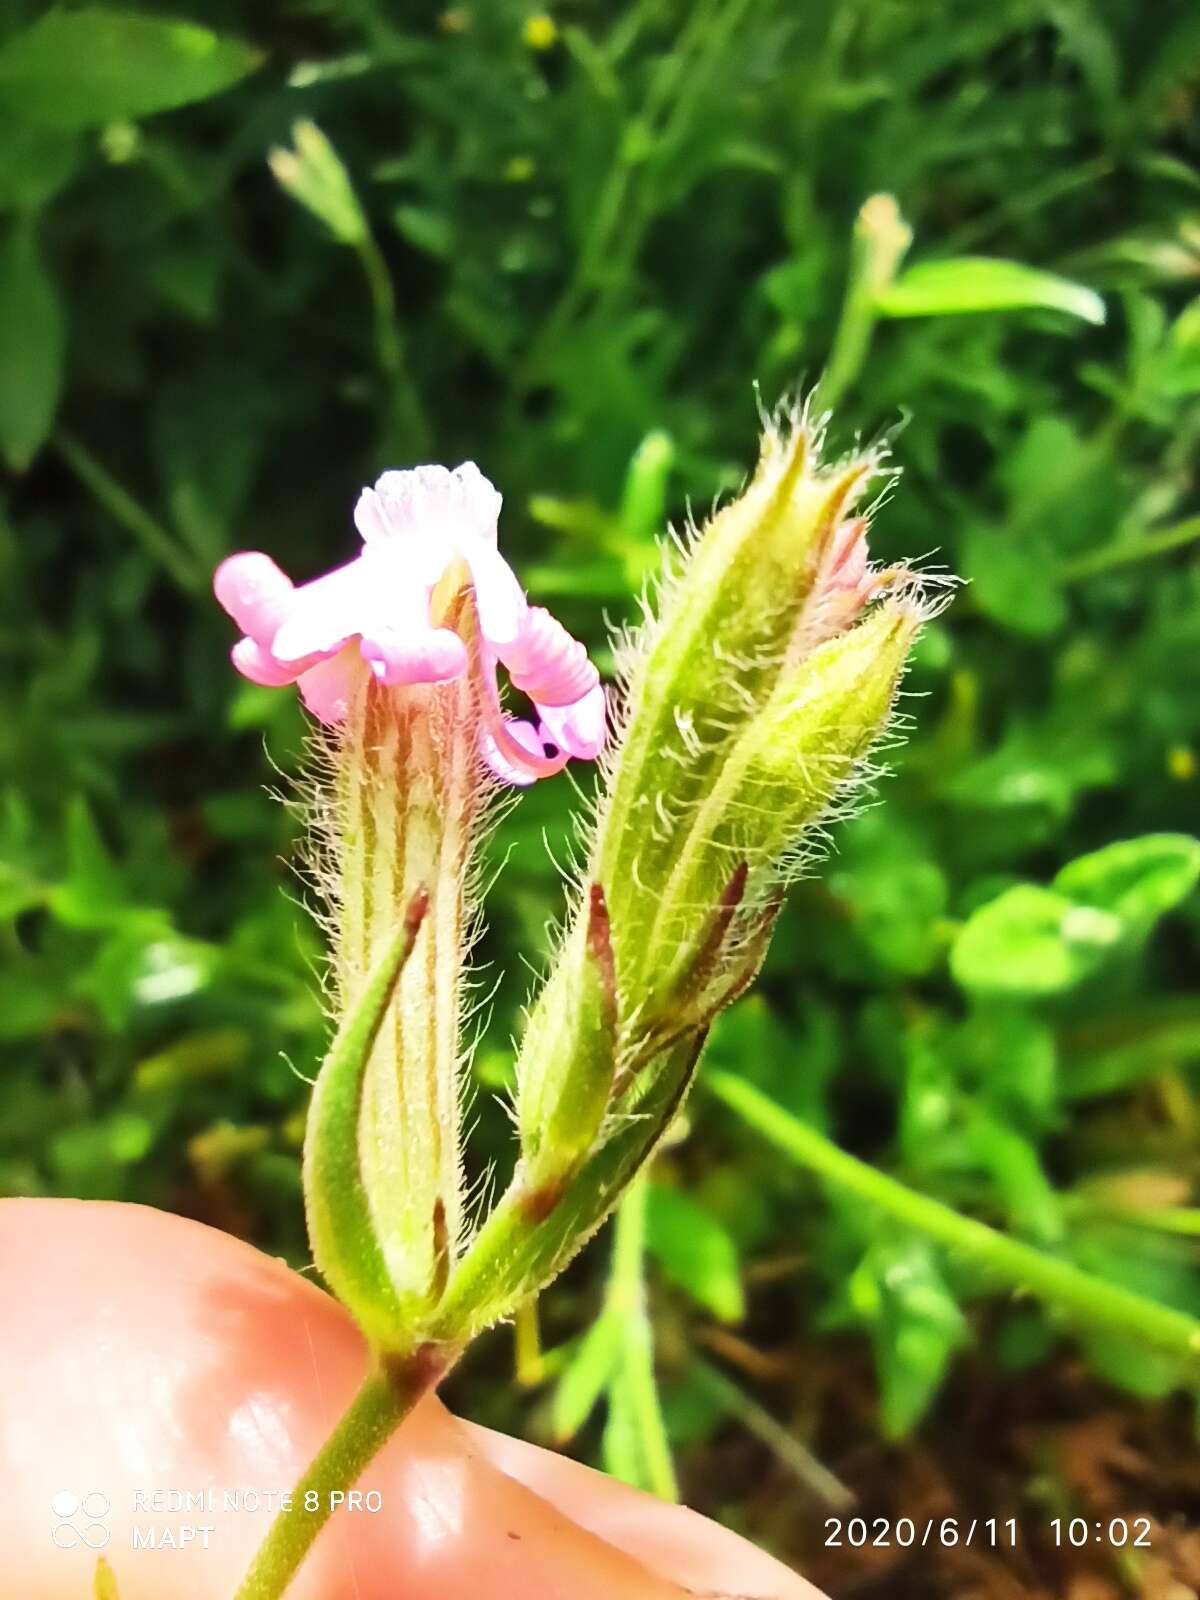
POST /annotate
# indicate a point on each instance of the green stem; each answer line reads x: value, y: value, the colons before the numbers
x: 758, y: 1421
x: 1183, y: 1221
x: 1124, y: 552
x: 527, y: 1340
x: 374, y: 1414
x: 1089, y: 1300
x: 120, y: 504
x: 1019, y: 206
x: 407, y: 416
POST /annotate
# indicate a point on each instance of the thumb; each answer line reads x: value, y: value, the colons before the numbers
x: 166, y: 1384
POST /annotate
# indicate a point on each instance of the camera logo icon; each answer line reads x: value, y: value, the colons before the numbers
x: 80, y: 1519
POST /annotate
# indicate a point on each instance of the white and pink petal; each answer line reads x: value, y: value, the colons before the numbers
x: 255, y: 593
x: 578, y: 729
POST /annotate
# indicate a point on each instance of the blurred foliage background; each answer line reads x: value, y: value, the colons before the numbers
x: 567, y: 245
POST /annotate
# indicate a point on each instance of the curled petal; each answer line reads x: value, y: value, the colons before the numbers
x: 515, y: 754
x: 546, y: 663
x: 512, y: 749
x: 255, y: 592
x: 577, y: 729
x: 328, y: 688
x: 260, y: 666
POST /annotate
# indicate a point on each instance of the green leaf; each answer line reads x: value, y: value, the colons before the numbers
x: 1010, y: 1053
x: 31, y: 348
x: 1012, y: 581
x: 643, y: 512
x: 695, y: 1252
x: 1128, y: 1365
x: 895, y: 892
x: 431, y: 231
x: 19, y: 891
x: 635, y: 1444
x: 34, y: 165
x: 1030, y: 1199
x: 144, y: 964
x: 92, y: 894
x: 586, y: 1376
x: 916, y: 1326
x: 80, y: 69
x: 985, y: 283
x: 1138, y: 880
x: 1031, y: 941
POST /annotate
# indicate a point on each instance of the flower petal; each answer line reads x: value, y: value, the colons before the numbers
x: 329, y: 688
x: 433, y: 502
x: 578, y: 729
x: 516, y: 756
x: 547, y: 663
x: 327, y: 612
x: 255, y: 593
x: 260, y: 666
x: 499, y: 598
x: 846, y: 563
x: 428, y: 655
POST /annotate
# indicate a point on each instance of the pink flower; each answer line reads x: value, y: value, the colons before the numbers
x: 428, y: 533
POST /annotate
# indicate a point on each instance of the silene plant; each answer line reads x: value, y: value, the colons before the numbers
x: 748, y: 706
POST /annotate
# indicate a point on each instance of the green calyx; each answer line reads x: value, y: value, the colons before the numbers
x: 791, y: 763
x: 570, y: 1060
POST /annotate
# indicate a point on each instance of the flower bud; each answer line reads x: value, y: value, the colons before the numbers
x: 755, y: 591
x: 752, y: 703
x: 314, y: 175
x: 793, y: 760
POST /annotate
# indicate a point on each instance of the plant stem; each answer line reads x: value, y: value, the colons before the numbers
x: 758, y: 1421
x: 1087, y: 1299
x: 377, y: 1410
x: 120, y: 504
x: 1123, y: 552
x: 407, y: 418
x: 527, y: 1340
